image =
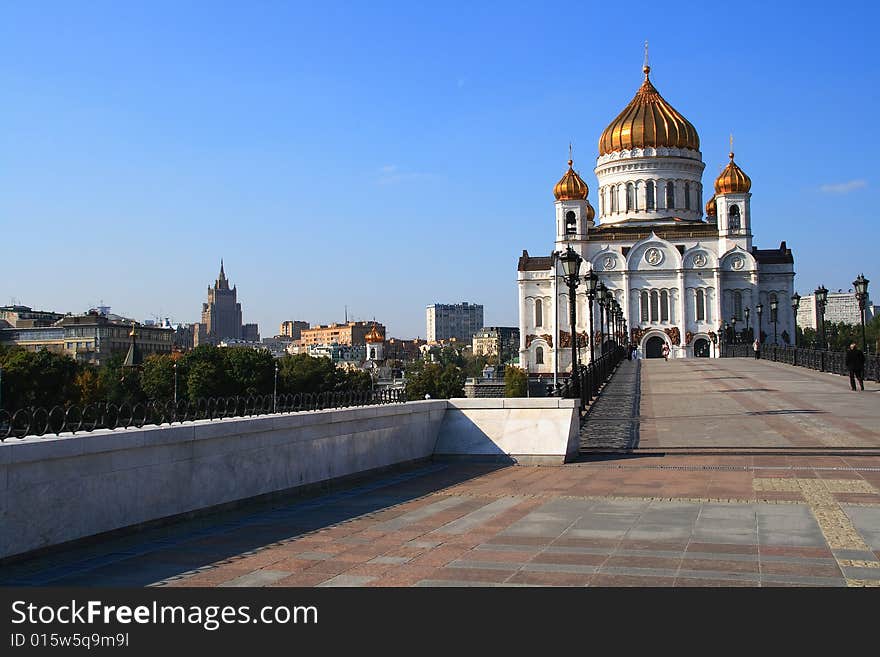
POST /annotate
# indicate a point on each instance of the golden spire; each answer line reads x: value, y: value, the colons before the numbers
x: 646, y: 68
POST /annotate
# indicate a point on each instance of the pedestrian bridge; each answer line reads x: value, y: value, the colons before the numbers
x: 732, y: 404
x: 698, y: 472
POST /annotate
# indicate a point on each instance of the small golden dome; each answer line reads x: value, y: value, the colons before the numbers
x: 648, y: 121
x: 711, y: 210
x: 571, y: 187
x: 591, y: 213
x: 374, y: 336
x: 732, y: 180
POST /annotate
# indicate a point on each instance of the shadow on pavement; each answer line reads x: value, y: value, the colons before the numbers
x: 143, y: 557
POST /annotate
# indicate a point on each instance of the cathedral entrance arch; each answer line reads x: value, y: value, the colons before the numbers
x: 701, y: 348
x: 654, y: 347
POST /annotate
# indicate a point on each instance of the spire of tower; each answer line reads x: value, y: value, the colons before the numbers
x: 222, y: 283
x: 646, y: 68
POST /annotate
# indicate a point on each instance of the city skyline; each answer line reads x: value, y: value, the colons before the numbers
x: 162, y: 147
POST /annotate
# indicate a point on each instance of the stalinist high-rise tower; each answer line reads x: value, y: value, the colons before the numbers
x: 221, y: 316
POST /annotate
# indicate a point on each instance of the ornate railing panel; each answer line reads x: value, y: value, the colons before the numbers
x: 37, y: 421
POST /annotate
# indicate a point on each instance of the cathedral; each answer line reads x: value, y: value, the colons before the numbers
x: 680, y: 279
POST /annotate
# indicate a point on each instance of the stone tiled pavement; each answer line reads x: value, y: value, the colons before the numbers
x: 671, y: 519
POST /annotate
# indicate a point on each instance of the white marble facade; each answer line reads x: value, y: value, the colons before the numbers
x: 677, y: 275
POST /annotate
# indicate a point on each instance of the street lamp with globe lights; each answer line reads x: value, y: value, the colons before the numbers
x: 774, y: 317
x: 821, y: 296
x: 861, y: 287
x: 600, y: 299
x: 760, y: 310
x: 591, y: 281
x: 571, y: 264
x: 795, y: 304
x: 610, y: 302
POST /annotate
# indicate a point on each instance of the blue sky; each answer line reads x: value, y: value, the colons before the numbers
x: 386, y: 156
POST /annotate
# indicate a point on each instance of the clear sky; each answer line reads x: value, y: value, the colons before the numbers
x: 386, y: 156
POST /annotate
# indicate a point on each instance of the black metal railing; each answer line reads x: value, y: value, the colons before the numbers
x: 592, y: 377
x: 814, y: 359
x: 38, y: 421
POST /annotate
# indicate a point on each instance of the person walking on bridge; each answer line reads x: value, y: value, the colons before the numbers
x: 855, y: 363
x: 757, y: 347
x: 665, y: 352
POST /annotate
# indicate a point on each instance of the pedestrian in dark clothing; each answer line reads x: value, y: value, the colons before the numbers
x: 757, y: 347
x: 855, y: 363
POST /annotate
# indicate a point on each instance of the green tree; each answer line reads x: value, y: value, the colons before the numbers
x: 451, y: 383
x: 157, y: 379
x: 250, y: 371
x: 356, y: 380
x: 202, y: 380
x: 438, y: 381
x: 302, y: 373
x: 205, y: 371
x: 88, y: 385
x: 515, y: 382
x: 38, y: 378
x: 120, y: 385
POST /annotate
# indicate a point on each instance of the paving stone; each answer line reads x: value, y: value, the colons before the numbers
x: 258, y: 578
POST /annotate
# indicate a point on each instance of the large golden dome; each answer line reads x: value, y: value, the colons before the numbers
x: 732, y: 180
x: 571, y: 187
x: 648, y: 121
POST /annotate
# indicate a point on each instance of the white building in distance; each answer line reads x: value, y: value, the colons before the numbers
x: 445, y: 321
x: 839, y: 307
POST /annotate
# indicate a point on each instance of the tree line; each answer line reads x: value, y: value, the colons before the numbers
x: 45, y: 379
x: 840, y: 335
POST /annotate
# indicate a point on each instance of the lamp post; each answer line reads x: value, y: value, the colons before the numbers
x: 609, y: 308
x: 714, y: 344
x: 275, y: 389
x: 591, y: 280
x: 861, y: 287
x: 795, y: 304
x: 571, y: 264
x: 726, y: 339
x: 175, y: 385
x: 774, y: 306
x: 600, y: 294
x: 760, y: 310
x: 748, y: 327
x: 821, y: 296
x: 733, y: 323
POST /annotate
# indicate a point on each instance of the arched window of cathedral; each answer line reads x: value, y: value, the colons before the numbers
x: 539, y: 355
x: 570, y: 223
x: 630, y: 197
x: 654, y: 313
x: 664, y: 306
x: 644, y: 306
x: 733, y: 214
x: 670, y: 194
x: 373, y: 353
x: 649, y: 195
x: 701, y: 305
x: 614, y: 192
x: 737, y: 305
x: 687, y: 196
x: 539, y: 312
